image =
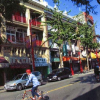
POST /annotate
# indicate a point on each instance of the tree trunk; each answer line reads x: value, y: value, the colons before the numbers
x: 61, y: 62
x: 87, y: 58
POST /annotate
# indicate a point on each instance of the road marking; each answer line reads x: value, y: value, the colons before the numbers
x: 62, y: 87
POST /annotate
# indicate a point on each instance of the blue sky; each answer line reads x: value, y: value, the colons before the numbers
x: 68, y: 5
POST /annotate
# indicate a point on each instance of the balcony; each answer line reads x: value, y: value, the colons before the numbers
x: 18, y: 18
x: 36, y: 23
x: 38, y: 43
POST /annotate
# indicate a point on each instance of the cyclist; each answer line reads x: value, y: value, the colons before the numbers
x: 34, y: 80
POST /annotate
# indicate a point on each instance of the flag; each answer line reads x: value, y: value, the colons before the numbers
x: 33, y: 40
x: 27, y: 42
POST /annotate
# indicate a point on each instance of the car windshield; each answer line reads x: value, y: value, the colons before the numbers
x: 18, y: 77
x: 36, y: 73
x: 54, y: 71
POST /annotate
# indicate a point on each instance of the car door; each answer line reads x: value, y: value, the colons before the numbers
x: 25, y: 79
x: 66, y: 72
x: 60, y: 73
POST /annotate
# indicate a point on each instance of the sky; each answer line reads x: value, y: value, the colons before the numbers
x: 68, y: 5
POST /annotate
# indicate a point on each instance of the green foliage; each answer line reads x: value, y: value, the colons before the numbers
x: 87, y: 35
x: 62, y: 29
x: 8, y: 7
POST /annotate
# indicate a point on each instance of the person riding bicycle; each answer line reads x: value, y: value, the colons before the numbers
x: 36, y: 83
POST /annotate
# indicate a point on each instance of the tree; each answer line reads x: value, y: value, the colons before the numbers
x: 86, y: 37
x: 62, y: 29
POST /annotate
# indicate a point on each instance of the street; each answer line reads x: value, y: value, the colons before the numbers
x: 82, y: 87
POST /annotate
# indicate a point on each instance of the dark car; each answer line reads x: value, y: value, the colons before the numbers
x: 59, y: 74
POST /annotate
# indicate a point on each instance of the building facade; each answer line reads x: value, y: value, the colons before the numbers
x: 15, y: 58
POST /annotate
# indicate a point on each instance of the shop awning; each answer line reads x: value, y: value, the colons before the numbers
x: 20, y: 66
x: 70, y: 58
x: 93, y: 55
x: 83, y: 58
x: 66, y: 58
x: 3, y: 60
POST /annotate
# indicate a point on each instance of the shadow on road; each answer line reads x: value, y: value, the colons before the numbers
x: 86, y: 79
x: 91, y: 95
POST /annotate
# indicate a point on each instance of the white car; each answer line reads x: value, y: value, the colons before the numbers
x: 20, y: 80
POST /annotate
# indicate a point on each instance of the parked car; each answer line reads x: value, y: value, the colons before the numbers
x: 59, y: 74
x: 20, y: 80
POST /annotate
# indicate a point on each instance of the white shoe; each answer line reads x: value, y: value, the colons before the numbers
x: 33, y: 98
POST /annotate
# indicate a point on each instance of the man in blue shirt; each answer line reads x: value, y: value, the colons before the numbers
x: 36, y: 83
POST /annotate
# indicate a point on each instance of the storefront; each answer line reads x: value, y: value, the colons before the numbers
x: 41, y: 65
x: 75, y: 64
x: 55, y: 63
x: 3, y: 68
x: 15, y: 69
x: 84, y: 63
x: 93, y: 60
x: 66, y: 61
x: 17, y: 65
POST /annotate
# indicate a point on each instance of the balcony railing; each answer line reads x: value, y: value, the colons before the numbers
x: 36, y: 23
x: 19, y: 18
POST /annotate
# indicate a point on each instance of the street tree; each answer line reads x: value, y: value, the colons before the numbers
x: 62, y: 29
x: 86, y: 33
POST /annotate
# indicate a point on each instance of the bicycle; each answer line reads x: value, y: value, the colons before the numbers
x: 25, y: 96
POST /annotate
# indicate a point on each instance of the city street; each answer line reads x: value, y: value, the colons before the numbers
x: 82, y: 87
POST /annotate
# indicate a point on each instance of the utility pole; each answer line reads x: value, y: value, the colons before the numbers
x: 32, y: 48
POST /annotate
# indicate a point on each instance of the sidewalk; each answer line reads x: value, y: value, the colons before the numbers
x: 84, y: 73
x: 2, y: 89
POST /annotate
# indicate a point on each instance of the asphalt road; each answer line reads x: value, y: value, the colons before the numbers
x: 82, y: 87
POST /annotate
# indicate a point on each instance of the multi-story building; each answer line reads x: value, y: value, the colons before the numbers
x: 14, y: 56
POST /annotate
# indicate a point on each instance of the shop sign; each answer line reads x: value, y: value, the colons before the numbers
x: 55, y: 59
x: 66, y: 58
x: 4, y: 65
x: 40, y: 62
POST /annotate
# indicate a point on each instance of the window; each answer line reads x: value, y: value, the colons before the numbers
x: 25, y: 77
x: 19, y: 37
x: 10, y: 36
x: 16, y: 61
x: 20, y: 60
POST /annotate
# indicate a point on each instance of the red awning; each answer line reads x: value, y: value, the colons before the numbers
x: 20, y: 66
x: 3, y: 60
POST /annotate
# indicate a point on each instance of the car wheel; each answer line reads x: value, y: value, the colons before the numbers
x: 19, y: 87
x: 59, y: 78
